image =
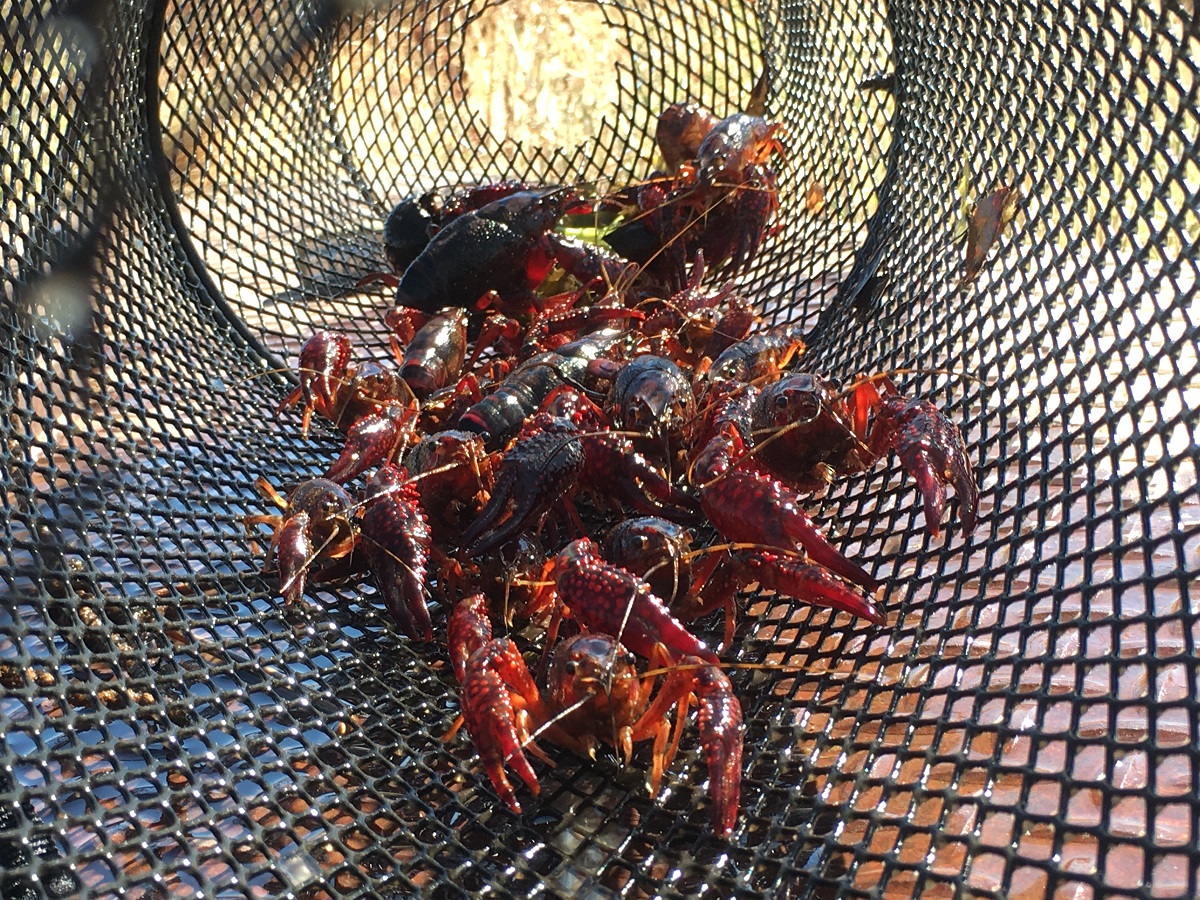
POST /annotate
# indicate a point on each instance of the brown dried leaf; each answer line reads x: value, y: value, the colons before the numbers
x: 988, y: 218
x: 814, y: 198
x: 756, y: 105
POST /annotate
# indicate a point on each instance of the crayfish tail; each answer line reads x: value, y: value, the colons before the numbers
x: 932, y: 450
x: 933, y: 493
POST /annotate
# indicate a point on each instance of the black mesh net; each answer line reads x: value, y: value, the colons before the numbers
x: 190, y: 189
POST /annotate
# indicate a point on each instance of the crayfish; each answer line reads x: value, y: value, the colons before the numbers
x: 493, y: 256
x: 718, y: 200
x: 593, y: 689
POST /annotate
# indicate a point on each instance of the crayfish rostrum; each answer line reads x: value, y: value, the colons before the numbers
x: 604, y: 466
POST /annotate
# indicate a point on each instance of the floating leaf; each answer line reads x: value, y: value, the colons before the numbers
x: 964, y: 201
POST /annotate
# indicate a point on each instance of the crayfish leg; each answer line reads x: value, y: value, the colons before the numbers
x: 454, y: 729
x: 721, y: 732
x: 656, y: 720
x: 290, y: 400
x: 269, y: 491
x: 717, y: 587
x: 658, y: 764
x: 864, y: 398
x: 681, y: 713
x: 373, y: 440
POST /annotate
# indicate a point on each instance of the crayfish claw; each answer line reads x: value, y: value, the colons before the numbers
x: 607, y: 599
x: 812, y: 584
x: 498, y: 729
x: 748, y: 505
x: 933, y: 492
x: 324, y: 365
x: 294, y: 553
x: 397, y: 547
x: 373, y: 440
x: 537, y: 471
x: 468, y: 629
x: 721, y: 732
x: 485, y: 528
x: 804, y: 531
x: 721, y: 736
x: 967, y: 491
x: 932, y: 450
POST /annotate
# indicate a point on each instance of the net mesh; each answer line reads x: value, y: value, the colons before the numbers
x: 191, y: 188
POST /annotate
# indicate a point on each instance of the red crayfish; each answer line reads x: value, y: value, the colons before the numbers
x: 594, y: 691
x: 719, y: 199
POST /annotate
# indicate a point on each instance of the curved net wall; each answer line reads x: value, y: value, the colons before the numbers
x: 190, y: 189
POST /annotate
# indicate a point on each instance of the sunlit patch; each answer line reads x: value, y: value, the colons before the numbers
x: 61, y: 305
x: 520, y: 92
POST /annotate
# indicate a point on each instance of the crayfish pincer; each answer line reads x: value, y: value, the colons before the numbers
x: 817, y: 433
x: 602, y: 597
x: 503, y: 247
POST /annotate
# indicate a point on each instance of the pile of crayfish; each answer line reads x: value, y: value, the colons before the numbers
x: 610, y: 462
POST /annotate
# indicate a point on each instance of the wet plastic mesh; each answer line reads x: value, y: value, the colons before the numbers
x: 188, y: 189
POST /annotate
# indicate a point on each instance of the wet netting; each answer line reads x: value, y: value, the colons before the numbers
x: 191, y: 187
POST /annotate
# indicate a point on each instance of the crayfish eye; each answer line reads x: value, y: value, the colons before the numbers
x: 629, y: 659
x: 570, y: 666
x: 781, y: 401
